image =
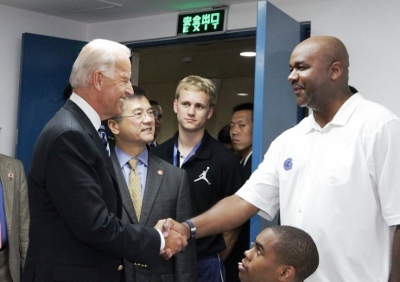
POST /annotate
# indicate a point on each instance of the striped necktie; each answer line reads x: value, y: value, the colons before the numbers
x: 103, y: 136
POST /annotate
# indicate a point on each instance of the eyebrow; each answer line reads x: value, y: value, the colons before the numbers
x: 259, y: 246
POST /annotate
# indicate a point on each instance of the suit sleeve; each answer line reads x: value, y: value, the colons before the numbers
x: 82, y: 190
x: 185, y: 261
x: 23, y: 215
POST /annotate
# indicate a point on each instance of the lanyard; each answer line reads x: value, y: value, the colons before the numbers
x: 177, y: 155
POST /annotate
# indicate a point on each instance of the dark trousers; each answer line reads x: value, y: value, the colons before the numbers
x: 5, y: 275
x: 210, y: 269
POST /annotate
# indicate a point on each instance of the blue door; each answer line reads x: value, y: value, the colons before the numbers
x: 275, y: 108
x: 45, y: 68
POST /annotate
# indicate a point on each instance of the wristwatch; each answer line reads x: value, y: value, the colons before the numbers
x: 193, y: 230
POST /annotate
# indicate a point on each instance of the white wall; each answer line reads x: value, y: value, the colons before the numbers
x: 368, y: 28
x: 14, y: 23
x: 164, y: 26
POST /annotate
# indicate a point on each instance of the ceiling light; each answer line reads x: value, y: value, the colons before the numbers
x: 248, y: 54
x: 242, y: 94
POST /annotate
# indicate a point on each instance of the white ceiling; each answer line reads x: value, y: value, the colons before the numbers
x: 92, y: 11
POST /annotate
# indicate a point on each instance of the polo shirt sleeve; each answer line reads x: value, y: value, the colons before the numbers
x: 262, y: 188
x: 385, y: 163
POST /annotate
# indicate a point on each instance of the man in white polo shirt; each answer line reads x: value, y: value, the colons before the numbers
x: 332, y: 175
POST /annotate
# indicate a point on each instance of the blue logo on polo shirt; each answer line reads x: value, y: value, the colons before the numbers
x: 287, y: 165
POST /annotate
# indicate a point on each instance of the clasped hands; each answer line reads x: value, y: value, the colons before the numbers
x: 176, y: 236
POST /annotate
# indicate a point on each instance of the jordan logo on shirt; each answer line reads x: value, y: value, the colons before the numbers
x: 203, y: 176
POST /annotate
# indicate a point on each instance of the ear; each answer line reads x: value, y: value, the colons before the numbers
x: 210, y: 112
x: 113, y: 126
x: 98, y: 79
x: 286, y: 273
x: 175, y: 105
x: 337, y: 70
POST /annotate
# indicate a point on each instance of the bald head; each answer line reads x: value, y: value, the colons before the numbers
x: 328, y: 49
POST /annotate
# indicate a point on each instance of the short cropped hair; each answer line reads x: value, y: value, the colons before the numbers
x: 243, y: 107
x: 137, y: 90
x: 296, y: 248
x: 98, y: 54
x: 197, y: 83
x: 154, y: 103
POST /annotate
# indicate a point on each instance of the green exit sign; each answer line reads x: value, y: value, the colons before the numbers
x: 202, y: 22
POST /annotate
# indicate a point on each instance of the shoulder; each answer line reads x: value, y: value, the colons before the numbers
x: 10, y: 161
x: 219, y: 151
x: 163, y: 149
x: 373, y: 110
x: 164, y: 165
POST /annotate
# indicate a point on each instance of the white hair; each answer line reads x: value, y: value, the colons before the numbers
x: 98, y: 54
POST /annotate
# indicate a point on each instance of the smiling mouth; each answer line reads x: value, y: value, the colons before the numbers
x: 296, y: 88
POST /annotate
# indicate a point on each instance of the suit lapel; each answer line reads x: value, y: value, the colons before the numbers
x: 8, y: 182
x: 126, y: 197
x: 155, y: 174
x: 89, y: 128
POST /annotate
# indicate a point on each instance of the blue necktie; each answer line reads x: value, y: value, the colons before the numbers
x: 103, y: 136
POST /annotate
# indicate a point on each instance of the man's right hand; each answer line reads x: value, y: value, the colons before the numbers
x: 176, y: 236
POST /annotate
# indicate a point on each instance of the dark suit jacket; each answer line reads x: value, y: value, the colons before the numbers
x: 247, y: 169
x: 16, y: 207
x: 166, y: 195
x: 243, y: 241
x: 75, y: 233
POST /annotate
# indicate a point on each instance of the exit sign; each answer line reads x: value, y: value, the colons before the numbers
x: 202, y: 22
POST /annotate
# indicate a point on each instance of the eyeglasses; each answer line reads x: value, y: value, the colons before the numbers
x: 139, y: 115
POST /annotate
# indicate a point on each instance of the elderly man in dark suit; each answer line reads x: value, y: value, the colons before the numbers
x: 76, y: 233
x: 15, y: 218
x: 163, y: 190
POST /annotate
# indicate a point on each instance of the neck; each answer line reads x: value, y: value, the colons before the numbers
x: 244, y: 154
x: 325, y: 114
x: 133, y: 150
x: 188, y: 140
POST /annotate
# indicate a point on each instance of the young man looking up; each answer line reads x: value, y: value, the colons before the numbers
x: 280, y: 254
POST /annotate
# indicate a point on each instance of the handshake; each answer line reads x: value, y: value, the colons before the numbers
x: 176, y: 236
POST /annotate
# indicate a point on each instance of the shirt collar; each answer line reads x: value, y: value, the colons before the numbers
x: 123, y: 157
x: 341, y: 118
x: 87, y: 109
x: 246, y: 158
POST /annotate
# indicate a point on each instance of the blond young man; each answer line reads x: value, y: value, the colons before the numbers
x: 213, y: 170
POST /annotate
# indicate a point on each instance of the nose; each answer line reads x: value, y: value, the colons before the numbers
x: 147, y: 118
x: 234, y: 130
x: 247, y: 254
x: 292, y: 75
x: 191, y: 110
x: 129, y: 88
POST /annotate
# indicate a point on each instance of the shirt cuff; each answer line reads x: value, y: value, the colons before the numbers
x: 162, y: 240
